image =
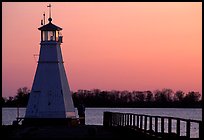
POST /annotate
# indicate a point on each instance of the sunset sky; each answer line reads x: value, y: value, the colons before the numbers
x: 109, y: 46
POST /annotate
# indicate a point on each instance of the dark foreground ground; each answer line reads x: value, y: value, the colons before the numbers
x: 69, y: 133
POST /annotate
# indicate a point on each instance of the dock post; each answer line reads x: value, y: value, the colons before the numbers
x: 156, y: 124
x: 116, y: 119
x: 113, y: 119
x: 162, y: 125
x: 123, y: 116
x: 107, y: 119
x: 145, y: 123
x: 200, y: 130
x: 188, y: 127
x: 169, y: 125
x: 150, y: 123
x: 178, y: 127
x: 141, y: 121
x: 119, y: 120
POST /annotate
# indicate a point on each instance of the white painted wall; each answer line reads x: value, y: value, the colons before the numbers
x: 50, y: 95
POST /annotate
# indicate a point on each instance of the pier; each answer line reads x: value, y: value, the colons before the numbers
x: 150, y: 125
x: 115, y: 126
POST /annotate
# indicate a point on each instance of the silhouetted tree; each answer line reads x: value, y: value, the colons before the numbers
x: 22, y: 96
x: 192, y: 97
x: 149, y: 97
x: 140, y: 96
x: 3, y: 100
x: 114, y: 98
x: 159, y: 97
x: 9, y: 101
x: 163, y: 98
x: 169, y: 93
x: 179, y: 96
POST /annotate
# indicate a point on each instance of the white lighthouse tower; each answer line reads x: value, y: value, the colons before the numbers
x: 50, y: 95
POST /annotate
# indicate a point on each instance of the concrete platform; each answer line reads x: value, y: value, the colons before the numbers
x: 70, y: 132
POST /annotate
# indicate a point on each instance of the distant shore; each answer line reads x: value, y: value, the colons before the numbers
x: 96, y: 98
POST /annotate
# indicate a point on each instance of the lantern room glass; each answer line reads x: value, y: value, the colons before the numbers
x: 50, y: 35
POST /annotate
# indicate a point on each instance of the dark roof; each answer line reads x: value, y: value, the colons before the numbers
x: 50, y: 27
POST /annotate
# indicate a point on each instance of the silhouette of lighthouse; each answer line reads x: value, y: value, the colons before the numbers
x: 50, y: 95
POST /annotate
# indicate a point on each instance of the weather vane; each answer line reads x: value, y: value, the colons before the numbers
x: 49, y: 10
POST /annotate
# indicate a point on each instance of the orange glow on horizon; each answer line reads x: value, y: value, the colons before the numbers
x: 109, y: 46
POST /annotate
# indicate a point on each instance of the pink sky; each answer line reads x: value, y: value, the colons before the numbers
x: 109, y: 46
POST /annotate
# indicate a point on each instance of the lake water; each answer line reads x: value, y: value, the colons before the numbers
x: 94, y: 116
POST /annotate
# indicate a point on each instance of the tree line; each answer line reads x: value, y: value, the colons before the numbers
x: 97, y: 98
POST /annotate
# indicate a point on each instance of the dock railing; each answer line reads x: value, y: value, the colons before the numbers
x: 151, y: 124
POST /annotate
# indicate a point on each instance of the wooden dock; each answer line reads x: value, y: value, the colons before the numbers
x: 144, y: 124
x: 80, y: 132
x: 120, y: 126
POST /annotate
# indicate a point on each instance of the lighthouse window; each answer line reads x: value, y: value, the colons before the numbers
x: 57, y: 35
x: 49, y: 36
x: 44, y: 36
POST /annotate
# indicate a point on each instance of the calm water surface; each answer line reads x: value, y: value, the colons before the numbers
x: 95, y: 115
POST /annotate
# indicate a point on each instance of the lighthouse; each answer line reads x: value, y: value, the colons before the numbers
x: 50, y: 96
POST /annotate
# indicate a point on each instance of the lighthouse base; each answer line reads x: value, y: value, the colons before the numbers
x: 50, y: 121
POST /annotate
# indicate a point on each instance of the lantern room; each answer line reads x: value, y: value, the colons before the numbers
x: 50, y: 32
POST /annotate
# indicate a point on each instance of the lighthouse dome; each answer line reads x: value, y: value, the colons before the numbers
x: 50, y: 27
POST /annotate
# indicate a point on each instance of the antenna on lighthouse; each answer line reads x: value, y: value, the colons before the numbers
x: 49, y: 19
x: 41, y: 22
x: 44, y: 18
